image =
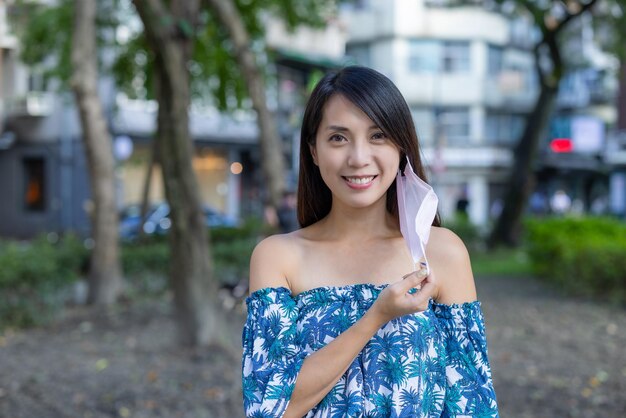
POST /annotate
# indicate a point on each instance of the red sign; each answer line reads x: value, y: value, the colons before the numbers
x: 560, y: 145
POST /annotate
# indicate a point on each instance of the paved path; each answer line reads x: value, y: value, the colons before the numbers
x: 553, y: 356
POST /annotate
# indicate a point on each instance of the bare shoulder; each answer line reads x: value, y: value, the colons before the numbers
x: 450, y: 263
x: 272, y: 260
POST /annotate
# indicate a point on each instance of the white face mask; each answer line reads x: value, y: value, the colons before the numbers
x: 417, y: 207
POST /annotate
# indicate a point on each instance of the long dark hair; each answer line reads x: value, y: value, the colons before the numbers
x: 383, y: 103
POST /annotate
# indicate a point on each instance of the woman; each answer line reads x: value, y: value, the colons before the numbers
x: 335, y: 325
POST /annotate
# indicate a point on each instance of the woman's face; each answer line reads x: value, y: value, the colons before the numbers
x: 357, y: 161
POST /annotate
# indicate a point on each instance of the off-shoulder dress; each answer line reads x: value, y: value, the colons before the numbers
x: 428, y: 364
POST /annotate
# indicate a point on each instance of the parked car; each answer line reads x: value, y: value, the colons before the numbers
x: 130, y: 220
x: 159, y: 221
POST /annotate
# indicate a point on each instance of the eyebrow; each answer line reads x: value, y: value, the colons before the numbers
x: 344, y: 129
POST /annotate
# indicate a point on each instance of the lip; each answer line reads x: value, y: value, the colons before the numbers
x: 359, y: 186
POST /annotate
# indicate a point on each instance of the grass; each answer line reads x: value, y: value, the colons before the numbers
x: 501, y: 262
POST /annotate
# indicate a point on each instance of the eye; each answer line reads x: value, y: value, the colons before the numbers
x: 336, y: 138
x: 379, y: 136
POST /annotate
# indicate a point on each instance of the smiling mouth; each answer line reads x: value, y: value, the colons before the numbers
x: 360, y: 179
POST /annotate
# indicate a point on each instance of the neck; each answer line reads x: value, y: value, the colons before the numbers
x: 360, y: 224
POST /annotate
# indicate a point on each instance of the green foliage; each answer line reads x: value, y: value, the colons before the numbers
x: 501, y: 262
x: 132, y: 68
x: 232, y: 248
x: 45, y: 45
x: 46, y: 36
x: 215, y: 75
x: 35, y: 278
x: 585, y: 257
x: 609, y: 25
x: 149, y: 256
x: 466, y: 230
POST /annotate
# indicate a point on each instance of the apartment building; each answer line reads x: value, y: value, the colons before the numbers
x: 42, y: 166
x: 467, y: 75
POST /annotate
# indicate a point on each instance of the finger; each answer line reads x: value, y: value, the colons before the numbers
x: 426, y: 293
x: 422, y: 265
x: 420, y: 272
x: 411, y: 280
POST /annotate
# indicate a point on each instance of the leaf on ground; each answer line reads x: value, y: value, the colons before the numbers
x: 102, y: 364
x: 124, y: 412
x: 152, y: 376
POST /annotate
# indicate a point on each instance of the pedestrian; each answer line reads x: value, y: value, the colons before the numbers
x: 560, y: 203
x: 341, y: 322
x: 538, y: 203
x: 286, y: 212
x: 462, y: 203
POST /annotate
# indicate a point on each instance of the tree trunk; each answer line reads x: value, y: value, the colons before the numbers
x: 272, y: 159
x: 195, y: 289
x: 521, y: 181
x: 507, y: 229
x: 621, y: 98
x: 105, y: 279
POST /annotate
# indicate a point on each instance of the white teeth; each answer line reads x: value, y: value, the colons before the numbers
x: 359, y: 180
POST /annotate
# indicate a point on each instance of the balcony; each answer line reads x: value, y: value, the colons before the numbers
x: 510, y: 89
x: 32, y: 104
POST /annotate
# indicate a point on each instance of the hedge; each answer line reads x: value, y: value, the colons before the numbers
x: 583, y: 256
x: 36, y: 277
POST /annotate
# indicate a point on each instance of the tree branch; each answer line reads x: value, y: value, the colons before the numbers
x: 159, y: 24
x: 584, y: 8
x: 540, y: 75
x: 227, y: 12
x: 536, y: 12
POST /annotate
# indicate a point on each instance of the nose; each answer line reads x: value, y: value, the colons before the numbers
x: 360, y: 154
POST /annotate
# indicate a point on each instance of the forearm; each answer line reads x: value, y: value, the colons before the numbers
x: 322, y: 369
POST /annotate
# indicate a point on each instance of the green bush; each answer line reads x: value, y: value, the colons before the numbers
x: 251, y: 227
x: 35, y: 278
x: 467, y: 231
x: 500, y: 262
x: 232, y: 259
x: 231, y: 249
x: 584, y: 256
x: 149, y: 256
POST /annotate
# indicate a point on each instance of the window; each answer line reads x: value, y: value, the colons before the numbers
x: 36, y: 82
x: 503, y: 129
x: 456, y: 57
x: 455, y: 125
x: 424, y: 56
x: 424, y: 120
x: 360, y: 54
x: 431, y: 56
x: 494, y: 57
x: 34, y: 184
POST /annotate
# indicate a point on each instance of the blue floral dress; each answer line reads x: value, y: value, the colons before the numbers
x: 428, y: 364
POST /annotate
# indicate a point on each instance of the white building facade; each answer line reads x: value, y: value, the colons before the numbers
x: 468, y: 77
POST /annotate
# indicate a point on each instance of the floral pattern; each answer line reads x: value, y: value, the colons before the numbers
x: 428, y: 364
